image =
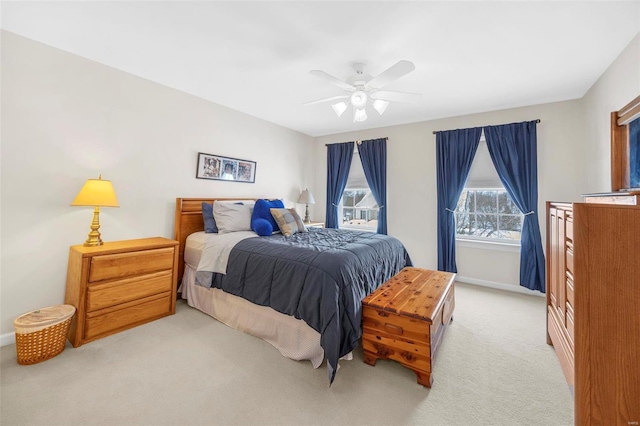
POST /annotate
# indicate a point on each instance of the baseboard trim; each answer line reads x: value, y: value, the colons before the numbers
x: 499, y: 286
x: 7, y: 339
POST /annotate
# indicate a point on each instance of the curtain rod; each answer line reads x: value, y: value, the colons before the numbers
x: 436, y: 131
x: 358, y: 142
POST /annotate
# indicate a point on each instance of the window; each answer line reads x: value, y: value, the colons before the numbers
x: 488, y: 214
x: 485, y: 212
x: 358, y: 208
x: 625, y: 147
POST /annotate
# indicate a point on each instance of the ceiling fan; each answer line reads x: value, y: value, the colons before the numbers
x: 361, y: 89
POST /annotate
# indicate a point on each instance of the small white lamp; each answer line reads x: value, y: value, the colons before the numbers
x: 96, y: 193
x: 306, y: 198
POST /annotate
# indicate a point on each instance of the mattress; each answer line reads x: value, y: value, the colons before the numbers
x: 292, y: 337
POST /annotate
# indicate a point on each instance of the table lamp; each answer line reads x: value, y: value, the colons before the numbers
x: 306, y: 198
x: 96, y: 193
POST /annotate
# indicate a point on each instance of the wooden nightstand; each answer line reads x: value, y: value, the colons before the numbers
x: 120, y: 285
x: 315, y: 224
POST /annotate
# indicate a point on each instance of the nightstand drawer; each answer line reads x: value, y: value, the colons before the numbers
x: 121, y: 265
x: 112, y: 293
x: 131, y: 314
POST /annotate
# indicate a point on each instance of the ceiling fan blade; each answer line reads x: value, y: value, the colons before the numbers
x: 386, y: 95
x: 392, y: 73
x: 333, y: 98
x: 342, y: 84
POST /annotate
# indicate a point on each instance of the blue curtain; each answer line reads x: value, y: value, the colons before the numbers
x: 339, y: 157
x: 634, y: 153
x: 455, y: 150
x: 513, y: 150
x: 373, y: 155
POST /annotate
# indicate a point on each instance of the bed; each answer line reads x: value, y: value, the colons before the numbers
x: 301, y: 293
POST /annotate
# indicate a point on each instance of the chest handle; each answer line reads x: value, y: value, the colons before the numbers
x: 393, y: 329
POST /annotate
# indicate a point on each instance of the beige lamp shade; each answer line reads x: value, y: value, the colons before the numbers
x: 306, y: 197
x: 96, y: 193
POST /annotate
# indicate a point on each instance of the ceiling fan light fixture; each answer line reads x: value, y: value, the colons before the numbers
x: 358, y: 99
x: 339, y: 108
x: 359, y: 115
x: 380, y: 105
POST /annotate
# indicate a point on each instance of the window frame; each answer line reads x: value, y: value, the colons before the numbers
x: 341, y: 206
x: 620, y: 161
x: 472, y: 239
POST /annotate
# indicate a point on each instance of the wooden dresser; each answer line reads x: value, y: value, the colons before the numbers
x: 404, y: 320
x: 120, y: 285
x: 593, y: 307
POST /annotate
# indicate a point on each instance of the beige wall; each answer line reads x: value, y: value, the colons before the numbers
x: 411, y: 181
x: 619, y: 85
x: 66, y: 119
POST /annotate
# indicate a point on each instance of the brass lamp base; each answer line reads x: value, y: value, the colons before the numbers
x: 94, y: 236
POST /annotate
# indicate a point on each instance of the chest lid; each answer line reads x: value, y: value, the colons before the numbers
x: 413, y: 292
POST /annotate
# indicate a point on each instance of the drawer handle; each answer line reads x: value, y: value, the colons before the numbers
x: 393, y: 329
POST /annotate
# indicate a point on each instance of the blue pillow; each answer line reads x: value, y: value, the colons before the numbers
x: 261, y: 210
x: 262, y: 227
x: 210, y: 226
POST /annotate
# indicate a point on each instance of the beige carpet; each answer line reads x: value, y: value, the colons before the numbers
x: 493, y: 368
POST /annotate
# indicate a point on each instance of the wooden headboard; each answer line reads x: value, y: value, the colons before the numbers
x: 189, y: 220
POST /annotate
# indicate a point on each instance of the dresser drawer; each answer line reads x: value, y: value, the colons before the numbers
x: 112, y: 293
x: 121, y: 265
x: 569, y: 228
x: 570, y: 325
x: 570, y: 293
x: 131, y: 314
x: 569, y: 260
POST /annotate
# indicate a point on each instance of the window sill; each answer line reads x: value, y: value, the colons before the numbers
x: 488, y: 245
x: 359, y: 228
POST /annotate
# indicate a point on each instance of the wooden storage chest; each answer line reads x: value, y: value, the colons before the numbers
x: 404, y: 320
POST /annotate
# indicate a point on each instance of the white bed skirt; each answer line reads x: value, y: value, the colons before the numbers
x: 292, y: 337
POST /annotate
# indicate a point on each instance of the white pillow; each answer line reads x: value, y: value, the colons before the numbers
x: 232, y: 217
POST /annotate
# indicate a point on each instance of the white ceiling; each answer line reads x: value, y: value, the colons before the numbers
x: 255, y: 57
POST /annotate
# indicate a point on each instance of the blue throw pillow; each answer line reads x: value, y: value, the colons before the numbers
x: 262, y: 227
x: 261, y: 210
x: 210, y: 226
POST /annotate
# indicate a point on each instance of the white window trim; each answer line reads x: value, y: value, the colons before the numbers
x: 486, y: 244
x: 358, y: 228
x: 341, y: 213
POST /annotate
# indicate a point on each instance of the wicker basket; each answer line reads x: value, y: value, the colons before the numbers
x: 42, y: 334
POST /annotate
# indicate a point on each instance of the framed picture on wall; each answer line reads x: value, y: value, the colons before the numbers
x: 217, y: 167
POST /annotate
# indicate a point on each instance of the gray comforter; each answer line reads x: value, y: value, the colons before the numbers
x: 320, y: 276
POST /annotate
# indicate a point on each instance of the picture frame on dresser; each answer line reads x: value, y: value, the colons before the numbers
x: 216, y: 167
